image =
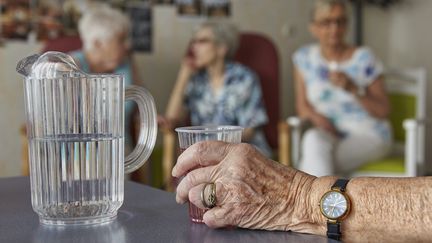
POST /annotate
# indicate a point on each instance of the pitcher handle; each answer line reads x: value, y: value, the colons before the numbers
x: 148, y: 127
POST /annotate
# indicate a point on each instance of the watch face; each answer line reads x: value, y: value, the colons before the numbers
x: 334, y: 204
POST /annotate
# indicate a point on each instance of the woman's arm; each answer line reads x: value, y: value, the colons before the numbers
x: 383, y: 209
x: 255, y: 192
x: 175, y: 110
x: 305, y: 110
x: 375, y: 99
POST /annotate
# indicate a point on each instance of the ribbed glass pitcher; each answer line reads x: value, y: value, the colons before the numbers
x: 75, y: 127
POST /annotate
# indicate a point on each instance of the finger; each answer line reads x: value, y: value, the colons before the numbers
x: 196, y: 198
x: 200, y: 154
x: 216, y: 218
x: 192, y: 179
x: 195, y: 195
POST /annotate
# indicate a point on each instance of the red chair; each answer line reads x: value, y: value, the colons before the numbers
x: 63, y: 44
x: 259, y: 54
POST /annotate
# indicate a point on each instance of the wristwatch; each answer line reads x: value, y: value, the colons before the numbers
x: 335, y: 206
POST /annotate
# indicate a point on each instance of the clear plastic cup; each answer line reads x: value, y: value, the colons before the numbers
x: 190, y: 135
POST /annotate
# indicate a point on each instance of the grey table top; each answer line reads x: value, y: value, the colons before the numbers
x: 147, y: 215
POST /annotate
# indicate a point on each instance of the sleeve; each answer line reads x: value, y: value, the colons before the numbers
x: 252, y: 112
x: 299, y: 59
x: 370, y: 66
x: 188, y: 93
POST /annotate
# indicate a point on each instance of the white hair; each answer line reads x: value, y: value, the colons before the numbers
x: 102, y: 23
x: 224, y: 33
x: 326, y: 5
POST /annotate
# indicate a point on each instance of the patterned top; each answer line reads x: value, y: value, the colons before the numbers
x: 341, y: 107
x: 239, y: 102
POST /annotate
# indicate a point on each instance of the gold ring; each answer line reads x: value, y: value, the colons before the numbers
x: 210, y: 200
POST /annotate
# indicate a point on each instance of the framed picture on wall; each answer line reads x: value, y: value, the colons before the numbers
x: 188, y: 7
x: 165, y: 2
x: 140, y: 14
x: 217, y: 8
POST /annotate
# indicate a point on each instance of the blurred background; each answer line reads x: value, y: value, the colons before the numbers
x: 397, y: 31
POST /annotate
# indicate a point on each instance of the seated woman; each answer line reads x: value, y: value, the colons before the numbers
x: 104, y: 32
x: 217, y: 91
x: 340, y: 89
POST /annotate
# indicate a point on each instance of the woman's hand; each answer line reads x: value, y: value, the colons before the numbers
x: 323, y: 122
x: 187, y: 68
x: 340, y: 79
x: 251, y: 190
x: 165, y: 123
x: 175, y: 109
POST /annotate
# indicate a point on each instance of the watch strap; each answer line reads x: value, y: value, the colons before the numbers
x: 340, y: 184
x: 333, y: 230
x: 334, y: 227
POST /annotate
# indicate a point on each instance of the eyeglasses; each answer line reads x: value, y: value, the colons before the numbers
x: 201, y: 41
x: 326, y: 23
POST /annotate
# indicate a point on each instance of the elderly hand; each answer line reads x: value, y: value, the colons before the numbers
x: 323, y: 122
x: 187, y: 67
x: 251, y: 190
x: 340, y: 79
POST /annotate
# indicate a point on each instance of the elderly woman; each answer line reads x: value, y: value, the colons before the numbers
x: 340, y: 90
x: 106, y: 49
x: 252, y: 191
x: 215, y: 90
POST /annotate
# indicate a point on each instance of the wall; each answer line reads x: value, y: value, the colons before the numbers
x: 11, y: 106
x: 284, y: 21
x: 402, y: 38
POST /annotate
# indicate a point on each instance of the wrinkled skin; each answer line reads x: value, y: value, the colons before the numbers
x: 252, y: 191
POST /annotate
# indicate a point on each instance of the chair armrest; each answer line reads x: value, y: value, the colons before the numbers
x: 295, y: 124
x: 168, y: 157
x: 284, y: 144
x: 295, y: 121
x: 414, y: 145
x: 412, y: 123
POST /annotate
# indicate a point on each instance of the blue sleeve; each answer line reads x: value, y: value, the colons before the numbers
x: 370, y: 66
x: 188, y: 93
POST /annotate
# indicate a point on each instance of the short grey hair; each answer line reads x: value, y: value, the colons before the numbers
x: 101, y: 23
x: 325, y: 5
x: 224, y: 33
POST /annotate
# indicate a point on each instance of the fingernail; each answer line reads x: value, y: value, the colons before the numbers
x: 179, y: 201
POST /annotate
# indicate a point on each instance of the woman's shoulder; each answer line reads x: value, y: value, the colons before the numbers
x: 363, y: 53
x: 306, y: 50
x: 239, y: 72
x: 305, y: 55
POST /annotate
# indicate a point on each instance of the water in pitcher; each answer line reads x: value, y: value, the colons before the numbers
x: 76, y: 139
x: 80, y: 177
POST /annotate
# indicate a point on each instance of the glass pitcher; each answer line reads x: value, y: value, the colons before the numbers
x: 76, y: 139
